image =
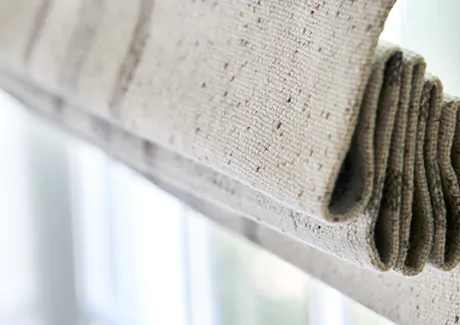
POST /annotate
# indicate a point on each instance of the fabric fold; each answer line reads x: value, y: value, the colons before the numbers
x: 291, y: 113
x: 375, y: 124
x: 420, y: 232
x: 446, y: 248
x: 411, y: 92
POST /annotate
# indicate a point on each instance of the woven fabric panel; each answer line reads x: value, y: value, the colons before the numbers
x: 430, y: 298
x: 267, y: 92
x: 288, y: 112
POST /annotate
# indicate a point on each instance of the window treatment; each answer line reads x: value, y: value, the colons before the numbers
x: 289, y: 113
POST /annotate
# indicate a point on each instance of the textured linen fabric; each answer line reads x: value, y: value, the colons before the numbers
x: 433, y: 297
x: 288, y: 112
x: 238, y: 85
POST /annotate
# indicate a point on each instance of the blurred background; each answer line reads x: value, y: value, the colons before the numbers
x: 86, y: 240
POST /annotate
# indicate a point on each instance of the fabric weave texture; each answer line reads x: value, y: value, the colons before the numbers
x: 291, y: 113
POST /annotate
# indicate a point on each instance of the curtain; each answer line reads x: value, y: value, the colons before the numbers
x: 291, y: 115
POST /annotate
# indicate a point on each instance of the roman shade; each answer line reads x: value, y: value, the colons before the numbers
x: 289, y: 117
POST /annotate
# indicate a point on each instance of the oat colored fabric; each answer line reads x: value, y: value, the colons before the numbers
x: 238, y: 85
x: 288, y: 112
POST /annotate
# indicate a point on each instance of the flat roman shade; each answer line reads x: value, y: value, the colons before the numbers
x: 290, y: 116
